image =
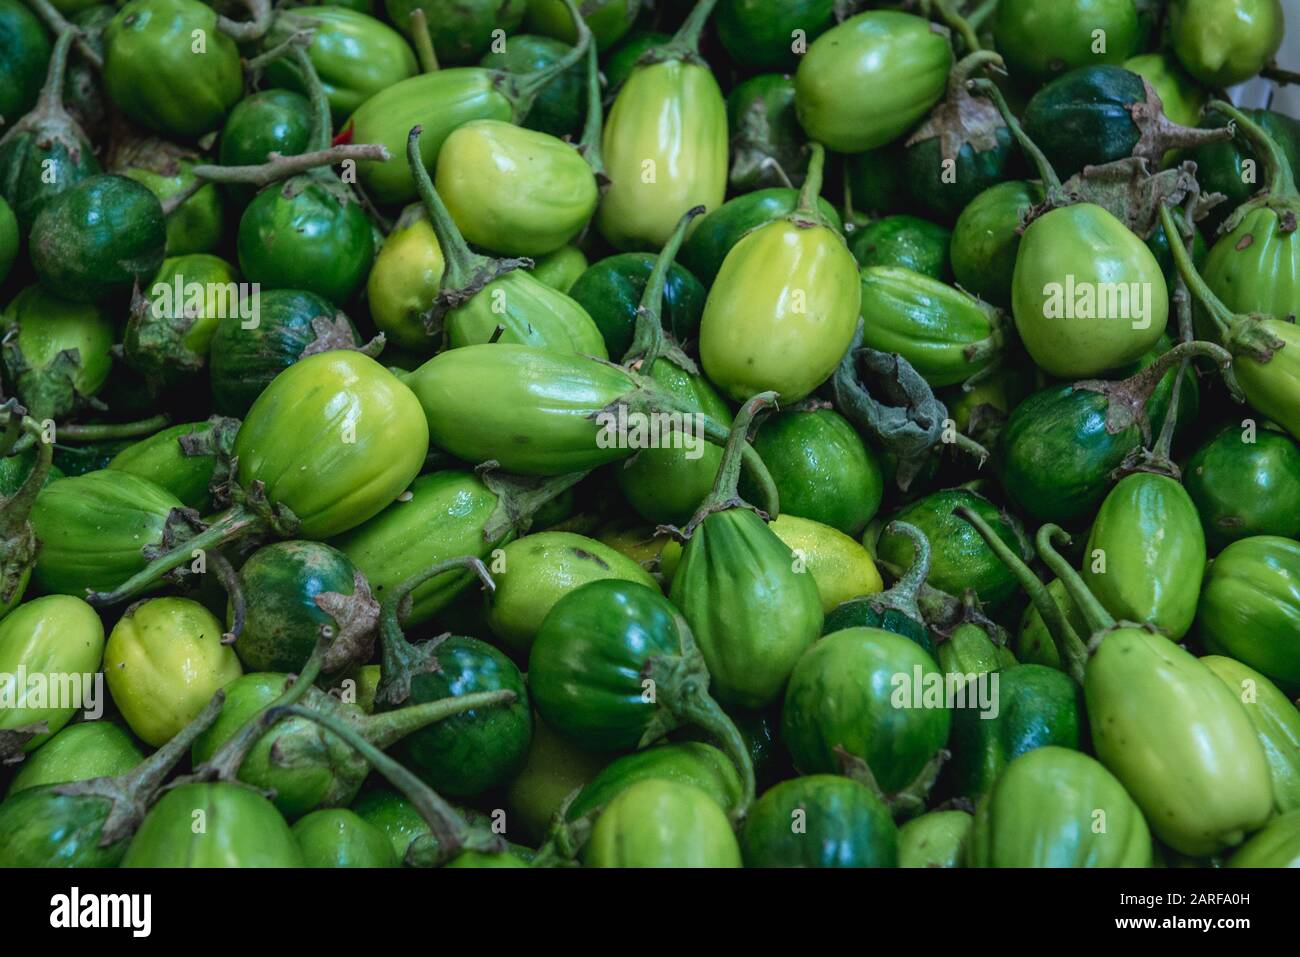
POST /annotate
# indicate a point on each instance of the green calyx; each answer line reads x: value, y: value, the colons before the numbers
x: 1280, y: 195
x: 523, y: 90
x: 18, y: 545
x: 685, y: 44
x: 807, y: 213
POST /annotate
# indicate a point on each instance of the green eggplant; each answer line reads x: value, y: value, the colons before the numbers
x: 242, y: 829
x: 269, y: 121
x: 337, y: 837
x: 1146, y: 553
x: 167, y: 171
x: 182, y: 459
x: 768, y: 146
x: 1033, y: 707
x: 874, y: 184
x: 1056, y: 807
x: 714, y: 235
x: 665, y: 142
x: 448, y: 513
x: 896, y: 54
x: 986, y: 239
x: 1034, y: 644
x: 170, y: 329
x: 1223, y: 44
x: 970, y: 652
x: 98, y: 238
x: 1099, y: 114
x: 960, y: 559
x: 948, y: 336
x: 820, y: 820
x: 822, y: 469
x: 1277, y: 845
x: 536, y: 571
x: 623, y: 58
x: 395, y: 816
x: 1277, y: 723
x: 45, y: 152
x: 690, y: 762
x: 562, y: 103
x: 80, y: 752
x: 355, y: 55
x: 872, y: 694
x: 406, y: 277
x: 841, y: 568
x: 161, y: 75
x: 894, y: 610
x: 1250, y: 607
x: 123, y: 512
x: 608, y: 20
x: 783, y: 308
x: 89, y: 823
x: 553, y: 770
x: 290, y: 591
x: 1232, y: 167
x: 57, y: 354
x: 461, y: 30
x: 963, y: 147
x: 44, y: 643
x: 163, y: 662
x: 1040, y: 41
x: 248, y: 350
x: 904, y: 241
x: 561, y: 269
x: 658, y: 823
x: 615, y: 667
x: 772, y: 34
x: 24, y: 56
x: 936, y: 839
x: 612, y: 288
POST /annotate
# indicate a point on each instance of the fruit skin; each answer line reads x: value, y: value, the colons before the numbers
x: 986, y: 240
x: 841, y: 694
x: 8, y: 239
x: 1220, y: 167
x: 163, y: 663
x: 840, y: 566
x: 542, y: 568
x: 1065, y: 254
x: 1276, y: 721
x: 269, y: 121
x: 243, y: 829
x: 153, y: 73
x: 162, y: 460
x: 393, y: 814
x: 561, y: 105
x: 897, y: 54
x: 24, y: 53
x: 461, y: 31
x: 906, y: 241
x: 1277, y: 845
x: 611, y: 289
x: 936, y: 839
x: 689, y: 762
x: 1043, y: 811
x: 59, y: 354
x: 1250, y: 607
x: 1151, y: 705
x: 765, y: 133
x: 1040, y: 40
x: 658, y: 823
x: 56, y: 636
x: 553, y: 769
x: 337, y: 837
x: 81, y: 751
x: 757, y: 33
x: 847, y: 826
x: 1222, y: 44
x: 1146, y: 553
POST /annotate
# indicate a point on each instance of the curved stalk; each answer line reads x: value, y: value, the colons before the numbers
x: 687, y: 38
x: 649, y: 342
x: 1097, y: 618
x: 1281, y: 178
x: 524, y: 90
x: 726, y: 483
x: 300, y: 38
x: 114, y: 430
x: 1051, y: 182
x: 958, y: 24
x: 423, y: 41
x: 59, y: 25
x: 807, y: 212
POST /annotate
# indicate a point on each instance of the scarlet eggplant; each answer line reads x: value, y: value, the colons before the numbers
x: 1232, y: 167
x: 772, y: 34
x: 665, y: 142
x: 659, y: 823
x: 553, y: 769
x: 936, y: 839
x: 561, y: 269
x: 80, y: 752
x: 243, y: 829
x: 460, y: 31
x: 896, y: 54
x: 783, y: 309
x: 768, y: 146
x: 1223, y: 44
x: 608, y: 20
x: 611, y: 290
x: 183, y: 459
x: 894, y: 610
x: 1277, y: 845
x: 405, y: 279
x: 195, y: 217
x: 46, y: 151
x: 57, y: 353
x: 692, y: 762
x: 337, y: 837
x: 1042, y: 40
x: 840, y: 567
x: 905, y: 241
x: 8, y: 239
x: 269, y: 121
x: 986, y: 239
x: 560, y: 104
x: 844, y: 825
x: 24, y: 56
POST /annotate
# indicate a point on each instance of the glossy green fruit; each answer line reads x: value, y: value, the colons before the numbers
x: 960, y: 558
x: 659, y: 823
x: 337, y: 837
x: 518, y: 309
x: 170, y: 330
x: 1277, y: 845
x: 970, y: 653
x: 540, y: 569
x: 355, y: 55
x: 163, y: 663
x: 248, y: 351
x: 461, y: 30
x: 197, y: 224
x: 1039, y: 40
x: 1146, y: 553
x: 608, y: 20
x: 904, y: 241
x: 896, y: 54
x: 553, y: 770
x: 691, y: 762
x: 1276, y: 721
x: 760, y: 33
x: 1034, y: 644
x: 1151, y: 705
x: 161, y: 76
x: 821, y: 820
x: 465, y: 754
x: 611, y: 290
x: 1054, y: 807
x: 99, y: 238
x: 1232, y: 167
x: 822, y: 469
x: 24, y: 53
x: 269, y: 121
x: 61, y: 639
x: 840, y: 567
x: 936, y: 839
x: 59, y: 354
x: 622, y: 60
x: 713, y: 236
x: 291, y: 590
x: 986, y: 239
x: 163, y: 459
x: 393, y: 814
x: 119, y: 513
x: 873, y: 693
x: 561, y: 105
x: 1250, y: 607
x: 242, y: 829
x: 1088, y: 296
x: 768, y: 146
x: 561, y: 269
x: 1224, y: 43
x: 88, y: 749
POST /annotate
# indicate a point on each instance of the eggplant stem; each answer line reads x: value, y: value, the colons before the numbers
x: 523, y: 91
x: 110, y: 431
x: 649, y: 342
x: 423, y: 41
x: 300, y: 38
x: 245, y: 31
x: 60, y: 25
x: 1097, y: 618
x: 590, y: 145
x: 1051, y: 181
x: 386, y: 728
x: 958, y: 24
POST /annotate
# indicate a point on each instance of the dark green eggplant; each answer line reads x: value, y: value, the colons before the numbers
x: 611, y: 289
x: 1245, y: 482
x: 906, y: 241
x: 269, y: 121
x: 24, y: 57
x: 337, y: 837
x: 768, y: 147
x: 1232, y: 167
x: 820, y: 820
x: 772, y: 34
x: 986, y: 238
x: 894, y: 610
x: 562, y: 103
